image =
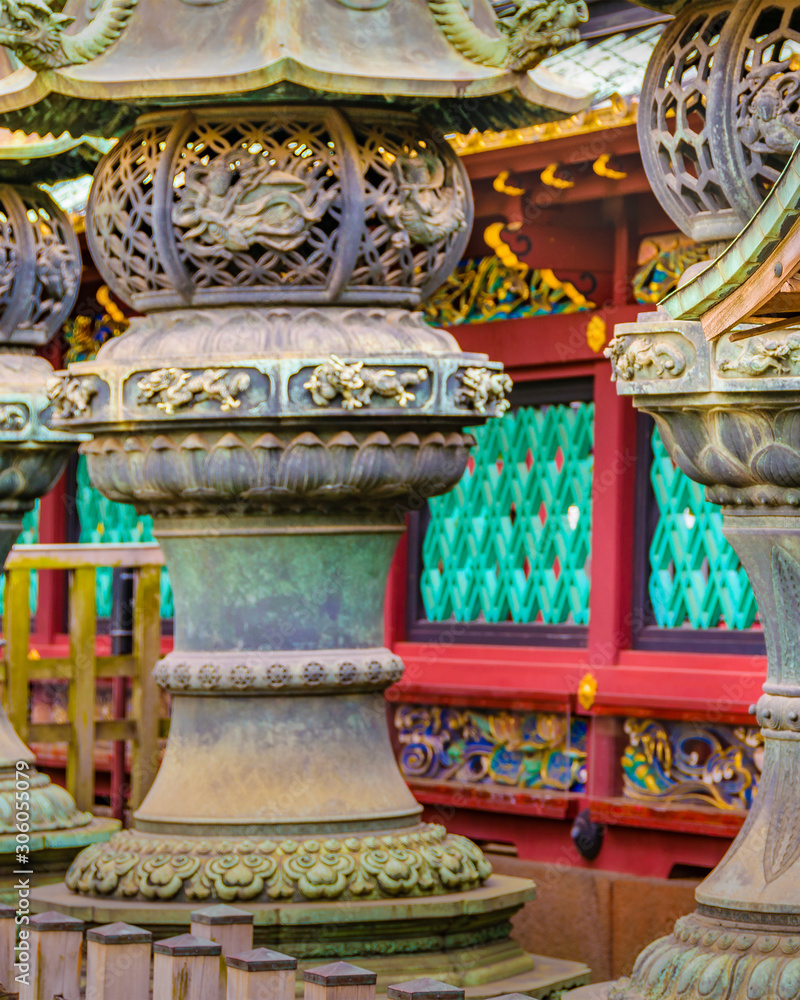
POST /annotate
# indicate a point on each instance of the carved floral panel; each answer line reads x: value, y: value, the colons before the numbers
x: 692, y: 763
x: 530, y: 750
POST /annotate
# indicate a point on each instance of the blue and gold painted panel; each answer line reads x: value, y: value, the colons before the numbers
x: 692, y: 763
x: 526, y: 750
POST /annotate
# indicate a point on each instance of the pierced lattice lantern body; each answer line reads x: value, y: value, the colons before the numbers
x: 278, y: 206
x: 40, y: 266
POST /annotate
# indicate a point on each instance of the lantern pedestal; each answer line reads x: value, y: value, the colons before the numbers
x: 730, y: 422
x: 278, y: 411
x: 40, y: 826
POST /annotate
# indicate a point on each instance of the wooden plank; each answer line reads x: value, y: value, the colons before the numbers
x: 145, y: 706
x: 50, y: 669
x: 116, y: 666
x: 115, y: 729
x: 79, y: 555
x: 50, y: 732
x: 16, y: 629
x: 82, y: 625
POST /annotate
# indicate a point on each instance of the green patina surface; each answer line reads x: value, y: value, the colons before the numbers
x: 104, y: 521
x: 294, y: 591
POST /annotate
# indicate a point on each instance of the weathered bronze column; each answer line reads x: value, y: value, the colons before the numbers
x: 718, y: 367
x: 278, y: 409
x: 41, y: 268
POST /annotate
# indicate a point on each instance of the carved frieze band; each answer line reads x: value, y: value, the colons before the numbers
x: 276, y: 672
x: 267, y: 387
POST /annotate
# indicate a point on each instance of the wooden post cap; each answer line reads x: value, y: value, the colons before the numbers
x: 222, y: 914
x: 187, y: 944
x: 340, y: 974
x: 119, y: 933
x: 52, y: 921
x: 261, y: 960
x: 425, y: 989
x: 7, y: 912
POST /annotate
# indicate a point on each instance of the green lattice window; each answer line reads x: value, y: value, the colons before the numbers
x: 696, y: 579
x: 28, y: 536
x: 512, y: 542
x: 103, y: 521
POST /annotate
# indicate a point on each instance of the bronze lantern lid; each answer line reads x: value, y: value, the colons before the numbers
x: 456, y: 61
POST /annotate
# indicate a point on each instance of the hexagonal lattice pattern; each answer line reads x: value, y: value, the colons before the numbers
x: 104, y: 521
x: 696, y: 579
x: 771, y: 36
x: 673, y: 131
x: 512, y: 542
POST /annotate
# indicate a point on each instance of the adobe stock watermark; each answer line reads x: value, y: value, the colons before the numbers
x: 22, y: 803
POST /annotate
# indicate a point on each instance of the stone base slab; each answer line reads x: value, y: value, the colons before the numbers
x: 400, y: 939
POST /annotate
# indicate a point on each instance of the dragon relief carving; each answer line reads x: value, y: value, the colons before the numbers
x: 357, y: 384
x: 766, y: 355
x: 533, y: 31
x: 481, y: 388
x: 36, y: 34
x: 176, y: 388
x: 240, y: 199
x: 631, y: 356
x: 70, y: 397
x: 428, y: 206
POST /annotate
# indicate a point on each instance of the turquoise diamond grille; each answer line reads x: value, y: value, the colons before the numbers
x: 28, y: 536
x: 696, y: 579
x: 512, y: 542
x: 104, y: 521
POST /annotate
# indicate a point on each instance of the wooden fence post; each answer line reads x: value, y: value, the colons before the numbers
x: 186, y: 968
x: 55, y: 967
x: 425, y: 989
x: 261, y: 974
x: 339, y: 981
x: 8, y: 939
x: 17, y: 630
x: 145, y: 699
x: 229, y: 927
x: 82, y: 628
x: 118, y: 963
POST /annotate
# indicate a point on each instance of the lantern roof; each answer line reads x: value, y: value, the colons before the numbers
x: 457, y: 61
